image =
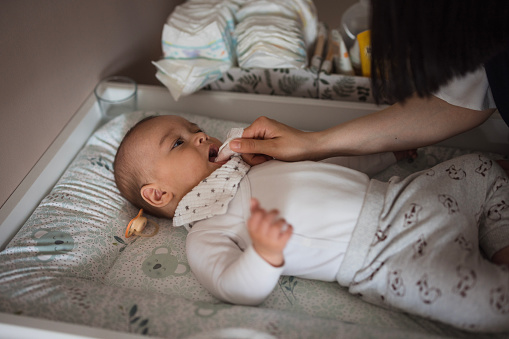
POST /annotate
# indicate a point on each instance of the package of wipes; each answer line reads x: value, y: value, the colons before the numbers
x: 184, y: 77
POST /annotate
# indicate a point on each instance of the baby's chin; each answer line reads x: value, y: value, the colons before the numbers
x: 221, y: 163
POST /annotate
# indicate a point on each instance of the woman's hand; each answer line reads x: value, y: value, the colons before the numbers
x: 416, y: 123
x: 274, y: 140
x: 269, y: 234
x: 255, y: 159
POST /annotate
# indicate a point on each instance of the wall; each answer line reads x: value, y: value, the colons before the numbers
x: 53, y: 52
x: 330, y: 11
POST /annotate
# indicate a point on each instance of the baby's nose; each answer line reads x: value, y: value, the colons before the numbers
x: 201, y: 137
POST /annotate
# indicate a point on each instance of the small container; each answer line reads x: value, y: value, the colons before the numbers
x: 342, y: 62
x: 116, y: 95
x: 354, y: 21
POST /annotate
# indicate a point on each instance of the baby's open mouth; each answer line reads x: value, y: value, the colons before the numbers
x: 213, y: 151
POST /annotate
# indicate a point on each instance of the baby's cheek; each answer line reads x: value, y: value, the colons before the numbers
x: 216, y: 142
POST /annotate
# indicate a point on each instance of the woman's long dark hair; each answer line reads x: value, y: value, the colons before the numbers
x: 419, y: 45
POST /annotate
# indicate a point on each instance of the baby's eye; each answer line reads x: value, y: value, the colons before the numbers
x: 178, y: 143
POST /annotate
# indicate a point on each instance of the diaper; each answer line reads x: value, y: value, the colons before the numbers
x: 295, y: 46
x: 198, y: 45
x: 265, y: 7
x: 263, y: 55
x: 270, y: 36
x: 199, y: 32
x: 201, y: 40
x: 309, y: 18
x: 302, y: 11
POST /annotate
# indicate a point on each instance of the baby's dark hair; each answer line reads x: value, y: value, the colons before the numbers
x: 129, y: 174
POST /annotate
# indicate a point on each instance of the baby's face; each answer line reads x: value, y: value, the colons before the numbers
x: 177, y: 153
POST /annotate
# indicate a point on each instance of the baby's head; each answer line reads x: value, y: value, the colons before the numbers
x: 160, y: 160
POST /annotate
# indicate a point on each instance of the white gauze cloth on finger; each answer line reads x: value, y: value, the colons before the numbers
x: 224, y: 151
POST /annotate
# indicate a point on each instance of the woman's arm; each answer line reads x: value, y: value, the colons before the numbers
x: 416, y: 123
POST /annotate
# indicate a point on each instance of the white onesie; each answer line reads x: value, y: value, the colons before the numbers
x: 321, y: 201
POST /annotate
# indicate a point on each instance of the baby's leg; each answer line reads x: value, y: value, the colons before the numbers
x: 425, y: 258
x: 494, y: 222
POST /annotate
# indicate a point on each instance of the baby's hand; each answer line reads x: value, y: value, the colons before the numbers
x: 408, y: 154
x: 268, y: 233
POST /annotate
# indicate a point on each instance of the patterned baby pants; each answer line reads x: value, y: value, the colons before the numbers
x: 432, y: 234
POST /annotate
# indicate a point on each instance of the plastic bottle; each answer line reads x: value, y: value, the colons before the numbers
x: 354, y: 21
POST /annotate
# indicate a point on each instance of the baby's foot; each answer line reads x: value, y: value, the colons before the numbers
x: 501, y: 257
x: 505, y: 165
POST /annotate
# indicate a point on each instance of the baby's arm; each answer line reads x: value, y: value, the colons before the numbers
x: 269, y: 234
x: 228, y: 267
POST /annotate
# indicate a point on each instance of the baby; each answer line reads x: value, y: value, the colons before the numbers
x: 411, y: 244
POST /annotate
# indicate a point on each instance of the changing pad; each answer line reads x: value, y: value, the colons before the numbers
x: 71, y: 262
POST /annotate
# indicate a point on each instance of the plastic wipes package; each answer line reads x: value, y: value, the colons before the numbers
x: 184, y: 77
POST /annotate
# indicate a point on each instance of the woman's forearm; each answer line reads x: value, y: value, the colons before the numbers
x: 416, y: 123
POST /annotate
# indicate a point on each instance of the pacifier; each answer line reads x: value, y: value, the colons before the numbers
x: 138, y: 224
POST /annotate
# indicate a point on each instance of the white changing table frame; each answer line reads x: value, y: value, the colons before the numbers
x: 302, y: 113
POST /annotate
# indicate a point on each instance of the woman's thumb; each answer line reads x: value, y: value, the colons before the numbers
x: 245, y: 146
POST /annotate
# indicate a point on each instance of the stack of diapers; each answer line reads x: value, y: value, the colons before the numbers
x: 198, y: 45
x: 275, y: 34
x: 201, y: 39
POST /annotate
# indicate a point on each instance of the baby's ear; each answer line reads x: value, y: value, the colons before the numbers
x: 155, y: 196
